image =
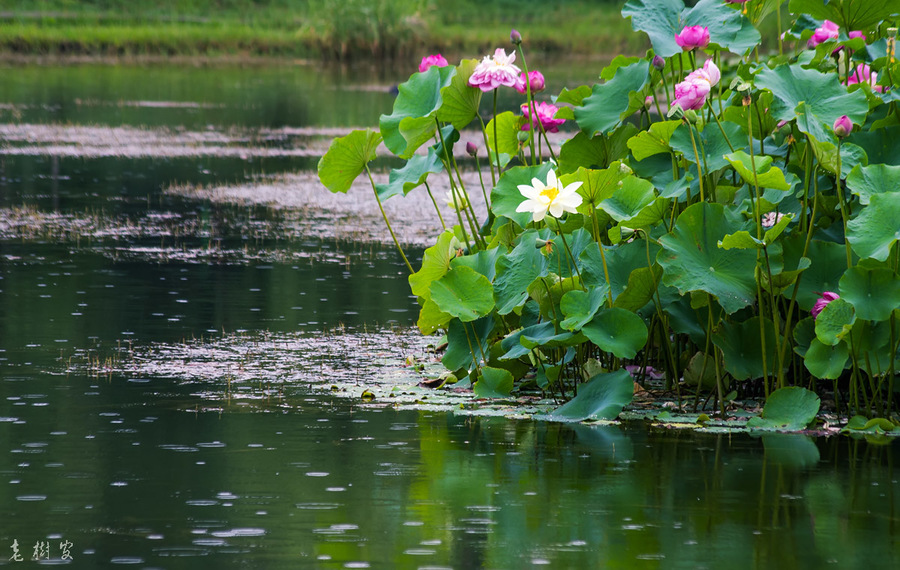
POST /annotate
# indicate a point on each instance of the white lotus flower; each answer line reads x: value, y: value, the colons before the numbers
x: 551, y: 197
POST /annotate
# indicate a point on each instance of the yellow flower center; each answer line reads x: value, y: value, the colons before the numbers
x: 551, y: 192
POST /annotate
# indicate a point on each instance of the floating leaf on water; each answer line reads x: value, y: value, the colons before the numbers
x: 791, y: 408
x: 602, y: 397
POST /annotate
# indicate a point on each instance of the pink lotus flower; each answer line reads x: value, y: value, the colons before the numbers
x: 430, y: 60
x: 535, y: 79
x: 856, y: 34
x: 843, y: 126
x: 820, y: 304
x: 545, y: 112
x: 828, y: 31
x: 770, y: 219
x: 495, y: 71
x: 691, y: 93
x: 864, y: 74
x: 692, y: 37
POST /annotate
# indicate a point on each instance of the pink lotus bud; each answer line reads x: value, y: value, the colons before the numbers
x: 471, y: 148
x: 515, y: 37
x: 828, y: 31
x: 658, y: 62
x: 535, y: 79
x: 843, y: 126
x: 856, y: 34
x: 648, y: 101
x: 692, y: 37
x: 430, y: 60
x: 820, y: 304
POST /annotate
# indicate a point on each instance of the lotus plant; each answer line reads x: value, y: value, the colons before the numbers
x: 695, y: 242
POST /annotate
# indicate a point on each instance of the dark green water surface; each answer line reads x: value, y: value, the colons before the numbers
x: 168, y: 472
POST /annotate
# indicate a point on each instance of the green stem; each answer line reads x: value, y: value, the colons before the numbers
x: 496, y: 141
x: 699, y: 167
x: 387, y: 222
x: 488, y: 149
x: 840, y: 194
x: 436, y: 208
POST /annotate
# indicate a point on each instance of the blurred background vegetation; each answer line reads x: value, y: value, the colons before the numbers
x: 324, y: 29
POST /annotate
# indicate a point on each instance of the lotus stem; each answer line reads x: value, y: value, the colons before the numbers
x: 387, y: 222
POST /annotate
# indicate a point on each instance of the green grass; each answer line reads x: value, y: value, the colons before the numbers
x: 343, y: 29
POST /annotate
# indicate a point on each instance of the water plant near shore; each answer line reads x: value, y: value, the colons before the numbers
x: 697, y: 240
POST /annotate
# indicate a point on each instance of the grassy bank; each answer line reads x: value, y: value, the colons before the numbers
x: 326, y: 29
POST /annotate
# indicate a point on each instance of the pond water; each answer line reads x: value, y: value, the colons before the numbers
x: 100, y: 262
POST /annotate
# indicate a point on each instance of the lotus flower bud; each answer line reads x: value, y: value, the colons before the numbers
x: 658, y: 62
x: 822, y: 302
x: 471, y: 148
x: 515, y: 37
x: 692, y: 37
x: 843, y: 126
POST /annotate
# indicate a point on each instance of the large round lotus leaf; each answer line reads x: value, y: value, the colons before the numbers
x: 824, y: 98
x: 412, y: 122
x: 642, y: 284
x: 506, y: 197
x: 826, y: 362
x: 576, y: 243
x: 493, y: 383
x: 435, y: 263
x: 829, y: 261
x: 404, y: 180
x: 579, y: 307
x: 596, y: 185
x: 791, y: 408
x: 610, y: 102
x: 693, y: 261
x: 766, y: 175
x: 463, y: 293
x: 873, y: 232
x: 618, y: 331
x: 881, y: 145
x: 483, y: 262
x: 460, y: 102
x: 600, y: 398
x: 874, y: 293
x: 712, y: 146
x: 741, y: 343
x: 539, y: 333
x: 835, y: 322
x: 508, y: 127
x: 431, y: 318
x: 516, y: 270
x: 655, y: 140
x: 629, y: 199
x: 582, y: 151
x: 465, y: 338
x: 662, y: 19
x: 848, y: 14
x: 864, y: 181
x: 346, y: 158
